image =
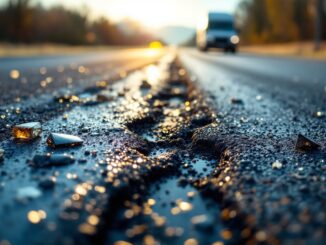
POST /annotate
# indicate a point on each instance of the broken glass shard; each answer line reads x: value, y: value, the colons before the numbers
x: 48, y: 160
x: 305, y: 144
x: 27, y: 131
x: 2, y: 153
x: 63, y: 140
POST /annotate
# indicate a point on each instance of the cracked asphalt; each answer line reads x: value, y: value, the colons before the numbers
x: 178, y: 147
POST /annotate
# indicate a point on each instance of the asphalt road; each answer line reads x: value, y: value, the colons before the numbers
x: 202, y: 155
x: 95, y: 57
x: 292, y: 84
x: 263, y: 104
x: 269, y: 71
x: 62, y: 70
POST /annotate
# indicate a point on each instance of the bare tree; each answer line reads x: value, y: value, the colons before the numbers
x: 318, y: 23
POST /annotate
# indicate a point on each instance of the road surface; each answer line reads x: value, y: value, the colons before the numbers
x: 281, y: 98
x: 178, y: 147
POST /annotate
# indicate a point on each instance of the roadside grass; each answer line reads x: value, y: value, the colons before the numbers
x: 302, y: 50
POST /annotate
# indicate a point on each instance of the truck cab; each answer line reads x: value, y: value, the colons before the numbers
x: 217, y: 30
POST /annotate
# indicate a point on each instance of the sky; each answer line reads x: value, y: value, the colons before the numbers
x: 152, y: 13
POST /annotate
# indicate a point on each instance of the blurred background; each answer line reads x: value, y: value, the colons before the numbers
x: 296, y: 24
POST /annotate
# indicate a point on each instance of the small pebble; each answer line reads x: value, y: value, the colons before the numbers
x: 277, y: 165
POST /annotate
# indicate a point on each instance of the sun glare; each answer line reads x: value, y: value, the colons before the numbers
x: 152, y: 14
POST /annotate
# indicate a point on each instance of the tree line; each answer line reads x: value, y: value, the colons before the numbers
x: 22, y: 22
x: 272, y: 21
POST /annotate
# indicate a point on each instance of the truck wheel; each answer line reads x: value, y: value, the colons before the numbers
x: 204, y: 49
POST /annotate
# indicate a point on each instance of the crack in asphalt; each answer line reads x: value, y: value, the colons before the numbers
x: 161, y: 162
x: 134, y: 147
x: 280, y: 204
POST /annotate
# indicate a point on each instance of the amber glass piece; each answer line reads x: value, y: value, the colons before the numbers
x: 27, y: 131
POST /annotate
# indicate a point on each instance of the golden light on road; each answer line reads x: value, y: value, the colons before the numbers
x: 155, y: 48
x: 155, y: 45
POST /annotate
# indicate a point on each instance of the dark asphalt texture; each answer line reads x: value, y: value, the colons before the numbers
x: 52, y: 74
x: 280, y: 99
x: 201, y: 155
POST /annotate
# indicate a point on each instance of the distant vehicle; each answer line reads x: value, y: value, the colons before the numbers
x: 217, y: 30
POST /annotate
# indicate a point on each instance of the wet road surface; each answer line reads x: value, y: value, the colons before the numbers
x: 263, y: 104
x: 113, y: 55
x: 199, y: 149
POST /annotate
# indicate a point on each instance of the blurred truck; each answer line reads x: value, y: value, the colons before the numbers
x: 217, y: 30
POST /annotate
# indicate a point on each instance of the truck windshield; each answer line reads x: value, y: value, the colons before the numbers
x: 220, y: 25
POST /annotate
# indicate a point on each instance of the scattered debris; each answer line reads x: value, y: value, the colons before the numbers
x: 47, y: 160
x: 319, y: 114
x: 2, y: 153
x: 184, y: 206
x: 65, y: 117
x: 259, y: 98
x: 236, y: 101
x: 47, y: 183
x: 105, y: 96
x: 209, y: 138
x: 277, y: 165
x: 63, y: 140
x: 102, y: 84
x: 66, y: 98
x: 305, y: 144
x: 134, y: 160
x: 28, y: 192
x: 202, y: 222
x: 145, y: 85
x: 198, y: 219
x: 27, y: 131
x: 191, y: 194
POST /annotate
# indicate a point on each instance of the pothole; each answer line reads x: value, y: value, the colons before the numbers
x: 203, y: 166
x: 187, y: 215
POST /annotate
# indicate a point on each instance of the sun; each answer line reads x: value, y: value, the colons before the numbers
x: 152, y: 14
